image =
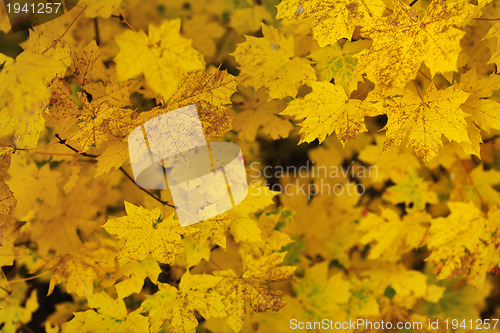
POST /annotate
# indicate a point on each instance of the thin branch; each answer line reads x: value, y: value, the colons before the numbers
x: 47, y: 152
x: 471, y: 180
x: 146, y: 191
x: 413, y: 2
x: 63, y: 142
x: 65, y: 31
x: 122, y: 19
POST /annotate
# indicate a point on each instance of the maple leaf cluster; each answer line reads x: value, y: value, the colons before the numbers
x: 408, y: 89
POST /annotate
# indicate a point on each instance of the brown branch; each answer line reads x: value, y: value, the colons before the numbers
x: 165, y: 203
x: 122, y: 19
x: 63, y: 142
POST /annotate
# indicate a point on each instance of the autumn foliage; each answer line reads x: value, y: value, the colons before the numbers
x: 408, y: 90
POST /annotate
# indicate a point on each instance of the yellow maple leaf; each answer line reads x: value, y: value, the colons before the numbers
x: 106, y: 314
x: 411, y: 189
x: 327, y: 109
x: 42, y: 40
x: 409, y: 286
x: 7, y: 200
x: 112, y: 158
x: 321, y: 296
x: 88, y: 64
x: 9, y: 232
x: 259, y: 197
x: 383, y: 161
x: 393, y: 236
x: 485, y: 111
x: 63, y: 108
x: 191, y: 255
x: 213, y: 229
x: 23, y: 92
x: 60, y: 228
x: 146, y: 232
x: 43, y: 185
x: 134, y: 274
x: 92, y: 321
x: 204, y: 30
x: 433, y: 39
x: 269, y: 239
x: 100, y: 8
x: 425, y: 119
x: 100, y: 122
x: 17, y: 308
x: 163, y: 56
x: 210, y: 90
x: 464, y: 243
x: 484, y: 182
x: 178, y: 306
x: 333, y: 19
x: 79, y: 269
x: 252, y: 287
x: 270, y: 62
x: 494, y: 32
x: 249, y: 19
x: 338, y: 62
x: 257, y: 112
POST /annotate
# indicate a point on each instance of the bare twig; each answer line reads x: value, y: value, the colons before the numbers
x: 122, y: 19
